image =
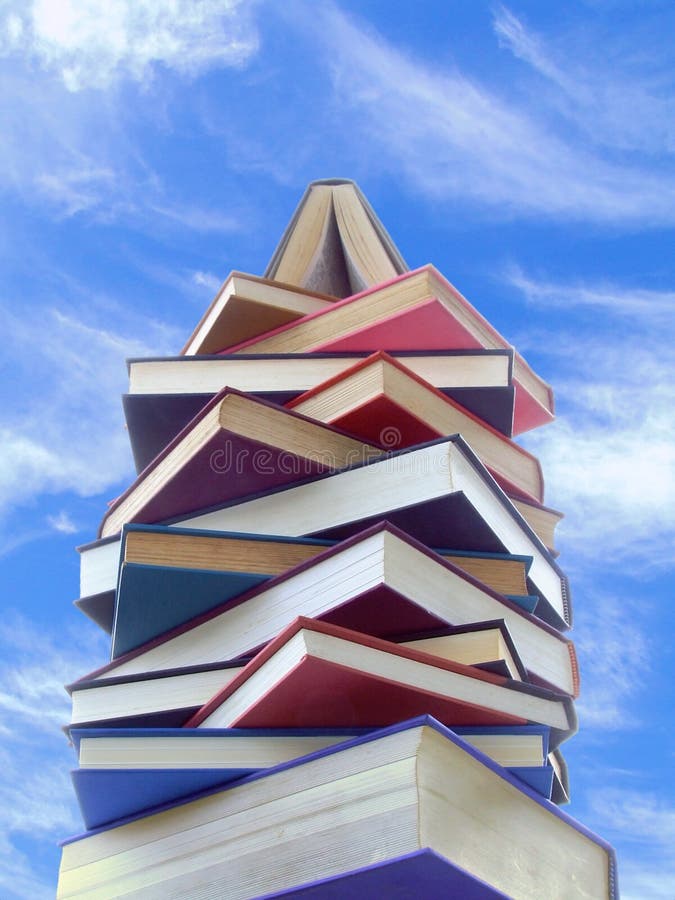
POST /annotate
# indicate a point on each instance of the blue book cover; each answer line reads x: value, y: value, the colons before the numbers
x: 153, y: 599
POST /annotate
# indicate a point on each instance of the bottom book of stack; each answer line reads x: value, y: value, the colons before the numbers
x: 411, y: 810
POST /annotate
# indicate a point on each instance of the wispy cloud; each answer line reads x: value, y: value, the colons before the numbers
x: 68, y: 432
x: 194, y: 218
x: 35, y: 791
x: 451, y: 134
x: 195, y: 284
x: 615, y: 480
x: 638, y: 304
x: 19, y: 875
x: 62, y: 523
x: 644, y: 823
x: 609, y: 458
x: 83, y: 154
x: 610, y: 637
x: 642, y: 817
x: 615, y: 94
x: 93, y: 44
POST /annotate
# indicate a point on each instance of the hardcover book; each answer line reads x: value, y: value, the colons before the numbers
x: 247, y: 306
x: 165, y: 394
x: 235, y: 446
x: 222, y: 551
x: 323, y: 676
x: 382, y: 401
x: 403, y: 790
x: 418, y: 310
x: 380, y: 582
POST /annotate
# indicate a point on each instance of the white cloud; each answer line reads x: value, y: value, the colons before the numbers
x: 93, y: 43
x: 81, y: 153
x: 609, y: 458
x: 525, y: 45
x: 66, y: 431
x: 36, y: 795
x: 638, y: 304
x: 641, y: 879
x: 73, y: 191
x: 19, y: 875
x: 638, y: 816
x: 611, y: 643
x: 643, y: 823
x: 451, y: 135
x: 207, y: 280
x: 615, y: 480
x: 62, y: 523
x: 194, y: 218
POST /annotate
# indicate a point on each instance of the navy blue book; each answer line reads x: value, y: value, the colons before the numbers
x: 221, y: 551
x: 166, y: 393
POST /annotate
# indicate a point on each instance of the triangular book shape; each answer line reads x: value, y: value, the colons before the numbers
x: 235, y: 446
x: 416, y: 311
x: 321, y: 676
x: 335, y: 243
x: 380, y: 582
x: 247, y: 306
x: 381, y: 400
x: 409, y: 788
x: 164, y: 394
x: 440, y: 493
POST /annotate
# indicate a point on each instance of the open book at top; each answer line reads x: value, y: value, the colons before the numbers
x: 335, y: 244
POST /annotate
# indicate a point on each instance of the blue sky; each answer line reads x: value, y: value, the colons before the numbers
x: 149, y: 147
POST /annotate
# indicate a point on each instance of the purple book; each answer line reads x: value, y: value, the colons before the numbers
x: 235, y: 446
x: 412, y: 876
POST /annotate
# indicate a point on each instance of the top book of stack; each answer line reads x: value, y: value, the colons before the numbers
x: 336, y: 283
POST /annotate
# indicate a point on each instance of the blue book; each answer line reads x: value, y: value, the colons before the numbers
x: 100, y: 578
x: 370, y: 800
x: 151, y: 776
x: 153, y: 599
x: 106, y: 795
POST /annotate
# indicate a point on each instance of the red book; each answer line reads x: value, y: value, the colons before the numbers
x: 417, y: 310
x: 381, y: 400
x: 317, y: 675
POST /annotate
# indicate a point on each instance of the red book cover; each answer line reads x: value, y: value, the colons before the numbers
x: 340, y: 685
x: 382, y: 420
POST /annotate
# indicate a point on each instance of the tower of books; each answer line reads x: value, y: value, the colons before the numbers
x: 338, y: 656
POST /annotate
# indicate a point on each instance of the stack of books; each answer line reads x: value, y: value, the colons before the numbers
x: 338, y: 661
